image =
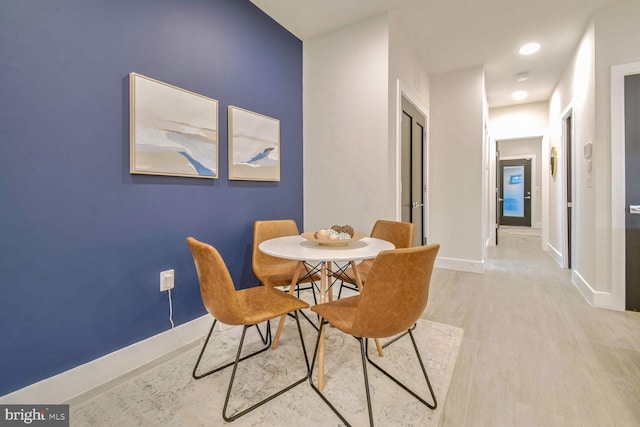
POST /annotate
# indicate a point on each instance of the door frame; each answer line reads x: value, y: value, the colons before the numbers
x: 404, y: 91
x: 616, y: 299
x: 544, y: 187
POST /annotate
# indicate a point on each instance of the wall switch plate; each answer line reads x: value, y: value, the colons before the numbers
x: 166, y: 280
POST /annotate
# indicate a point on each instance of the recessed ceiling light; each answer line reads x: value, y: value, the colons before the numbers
x: 529, y: 48
x: 519, y: 95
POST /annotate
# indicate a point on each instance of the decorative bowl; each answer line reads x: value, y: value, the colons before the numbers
x: 310, y: 235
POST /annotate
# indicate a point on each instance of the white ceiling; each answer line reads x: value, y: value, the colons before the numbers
x: 455, y: 34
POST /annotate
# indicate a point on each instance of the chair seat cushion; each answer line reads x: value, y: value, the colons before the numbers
x: 340, y: 313
x: 262, y: 303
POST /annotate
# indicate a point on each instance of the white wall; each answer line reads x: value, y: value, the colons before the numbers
x: 408, y: 78
x: 519, y: 121
x: 405, y: 66
x: 456, y: 170
x: 346, y: 127
x: 576, y: 90
x: 611, y: 39
x: 616, y: 42
x: 353, y: 79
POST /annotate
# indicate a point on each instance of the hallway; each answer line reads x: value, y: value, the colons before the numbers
x: 534, y: 352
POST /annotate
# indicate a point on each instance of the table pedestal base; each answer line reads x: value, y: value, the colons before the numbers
x: 323, y: 298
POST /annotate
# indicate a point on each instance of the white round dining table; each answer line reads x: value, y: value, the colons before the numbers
x: 309, y: 251
x: 301, y: 249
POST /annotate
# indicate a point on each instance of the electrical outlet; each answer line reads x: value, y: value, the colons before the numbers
x: 166, y: 280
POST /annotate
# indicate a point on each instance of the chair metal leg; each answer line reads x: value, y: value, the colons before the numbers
x: 349, y: 285
x: 309, y: 320
x: 273, y: 396
x: 304, y: 347
x: 413, y: 328
x: 343, y: 285
x: 424, y: 371
x: 363, y: 351
x: 266, y: 339
x: 311, y: 270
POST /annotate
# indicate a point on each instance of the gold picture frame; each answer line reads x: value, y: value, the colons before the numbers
x: 553, y: 161
x: 173, y: 131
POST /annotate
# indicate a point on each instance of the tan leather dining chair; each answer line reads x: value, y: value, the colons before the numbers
x: 397, y: 232
x: 274, y: 271
x: 246, y: 307
x: 393, y: 300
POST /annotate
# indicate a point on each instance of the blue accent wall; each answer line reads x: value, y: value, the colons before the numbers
x: 82, y: 242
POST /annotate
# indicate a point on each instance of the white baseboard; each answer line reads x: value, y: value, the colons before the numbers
x: 583, y: 287
x: 84, y: 378
x: 596, y: 298
x: 555, y: 254
x: 609, y: 301
x: 460, y: 265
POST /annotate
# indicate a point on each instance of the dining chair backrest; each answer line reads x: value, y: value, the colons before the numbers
x: 216, y: 285
x: 396, y: 292
x: 262, y: 263
x: 397, y: 232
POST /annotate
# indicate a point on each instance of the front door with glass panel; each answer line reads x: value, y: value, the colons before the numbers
x: 515, y: 192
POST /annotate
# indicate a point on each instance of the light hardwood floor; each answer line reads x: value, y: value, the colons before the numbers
x: 534, y: 352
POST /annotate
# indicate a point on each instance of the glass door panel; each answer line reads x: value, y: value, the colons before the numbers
x: 515, y: 194
x: 513, y: 187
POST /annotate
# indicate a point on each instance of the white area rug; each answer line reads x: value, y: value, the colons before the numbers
x: 167, y: 395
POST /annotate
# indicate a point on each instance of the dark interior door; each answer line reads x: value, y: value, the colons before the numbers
x: 515, y: 192
x: 632, y: 192
x: 498, y: 193
x: 568, y: 146
x: 413, y: 170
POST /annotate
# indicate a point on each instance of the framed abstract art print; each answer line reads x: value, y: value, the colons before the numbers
x: 254, y: 146
x: 172, y: 131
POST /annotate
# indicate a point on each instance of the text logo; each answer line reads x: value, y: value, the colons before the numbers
x: 34, y: 415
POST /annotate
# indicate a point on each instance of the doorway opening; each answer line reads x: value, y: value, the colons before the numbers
x: 518, y: 192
